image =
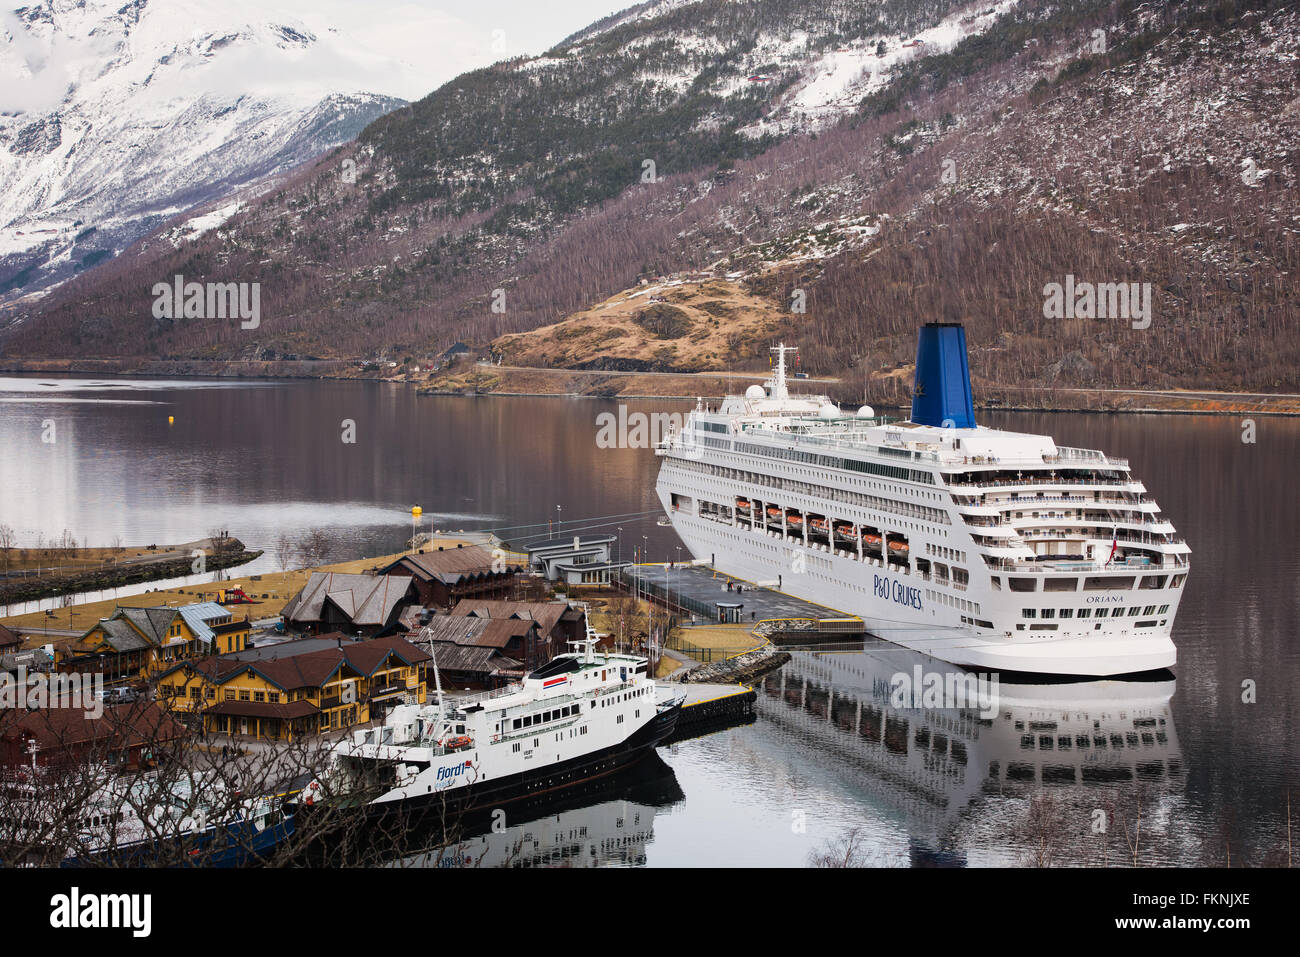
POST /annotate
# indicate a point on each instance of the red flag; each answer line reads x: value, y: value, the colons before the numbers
x: 1114, y: 545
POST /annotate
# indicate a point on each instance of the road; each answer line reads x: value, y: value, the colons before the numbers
x: 671, y: 375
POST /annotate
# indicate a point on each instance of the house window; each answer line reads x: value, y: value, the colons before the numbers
x: 259, y: 696
x: 244, y: 695
x: 230, y: 695
x: 273, y: 697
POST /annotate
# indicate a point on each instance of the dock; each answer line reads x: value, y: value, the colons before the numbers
x: 713, y: 707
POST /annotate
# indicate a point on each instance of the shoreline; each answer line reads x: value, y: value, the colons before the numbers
x: 1239, y: 404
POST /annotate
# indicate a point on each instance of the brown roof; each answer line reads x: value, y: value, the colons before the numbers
x: 472, y: 658
x: 241, y: 624
x: 9, y: 637
x: 264, y: 709
x: 545, y: 613
x: 449, y: 564
x: 469, y: 630
x: 118, y: 727
x: 306, y: 663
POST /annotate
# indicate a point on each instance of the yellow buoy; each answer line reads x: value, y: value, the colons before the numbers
x: 171, y: 420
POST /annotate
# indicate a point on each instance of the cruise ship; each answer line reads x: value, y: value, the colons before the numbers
x: 985, y: 548
x: 582, y: 716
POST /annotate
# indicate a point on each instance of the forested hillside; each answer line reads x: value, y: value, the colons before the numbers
x: 1110, y: 142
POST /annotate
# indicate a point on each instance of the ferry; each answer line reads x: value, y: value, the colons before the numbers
x: 985, y: 548
x: 582, y: 716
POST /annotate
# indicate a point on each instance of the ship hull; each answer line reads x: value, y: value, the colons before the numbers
x: 849, y: 588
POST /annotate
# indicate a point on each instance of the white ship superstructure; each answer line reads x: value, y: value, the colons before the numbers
x: 581, y: 716
x: 989, y: 549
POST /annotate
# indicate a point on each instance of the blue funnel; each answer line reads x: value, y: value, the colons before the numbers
x: 941, y: 393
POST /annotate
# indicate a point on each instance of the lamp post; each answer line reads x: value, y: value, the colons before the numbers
x: 416, y: 512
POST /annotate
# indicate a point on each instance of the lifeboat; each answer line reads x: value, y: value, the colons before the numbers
x: 458, y: 742
x: 898, y: 547
x: 773, y: 512
x: 817, y: 525
x: 871, y: 541
x: 743, y: 504
x: 793, y: 518
x: 845, y: 532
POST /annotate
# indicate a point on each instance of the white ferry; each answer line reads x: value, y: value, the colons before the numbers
x: 985, y: 548
x: 583, y: 715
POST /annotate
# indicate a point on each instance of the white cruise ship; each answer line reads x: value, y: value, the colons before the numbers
x: 988, y: 549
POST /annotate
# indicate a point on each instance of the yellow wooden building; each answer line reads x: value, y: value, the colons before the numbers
x: 137, y: 644
x: 295, y: 688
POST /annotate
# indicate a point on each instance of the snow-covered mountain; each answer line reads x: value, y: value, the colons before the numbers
x: 115, y: 117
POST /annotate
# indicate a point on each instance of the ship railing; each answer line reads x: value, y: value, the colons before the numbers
x: 461, y: 702
x: 1041, y: 480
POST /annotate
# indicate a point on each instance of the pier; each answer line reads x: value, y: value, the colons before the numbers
x: 711, y: 708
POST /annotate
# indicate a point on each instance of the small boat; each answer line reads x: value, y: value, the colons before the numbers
x: 871, y: 541
x: 773, y: 512
x: 818, y: 525
x: 744, y: 504
x: 793, y: 518
x: 898, y: 547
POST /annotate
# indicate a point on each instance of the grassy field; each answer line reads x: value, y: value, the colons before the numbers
x: 68, y: 560
x: 278, y: 587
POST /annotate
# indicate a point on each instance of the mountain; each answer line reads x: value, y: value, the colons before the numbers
x: 877, y: 165
x: 119, y: 116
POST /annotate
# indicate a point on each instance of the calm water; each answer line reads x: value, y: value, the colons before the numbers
x: 261, y: 459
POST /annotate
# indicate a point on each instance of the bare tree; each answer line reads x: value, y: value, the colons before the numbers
x: 284, y: 549
x: 7, y: 538
x: 314, y: 548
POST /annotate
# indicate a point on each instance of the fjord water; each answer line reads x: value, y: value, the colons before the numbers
x: 1217, y: 751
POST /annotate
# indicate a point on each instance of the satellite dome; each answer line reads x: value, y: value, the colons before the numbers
x: 829, y: 411
x: 755, y: 392
x: 866, y: 412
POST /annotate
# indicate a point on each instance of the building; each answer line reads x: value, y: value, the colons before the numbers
x: 557, y: 621
x: 295, y: 688
x: 10, y: 640
x: 135, y: 644
x: 577, y: 561
x: 365, y: 605
x: 126, y: 736
x: 507, y: 648
x: 445, y: 576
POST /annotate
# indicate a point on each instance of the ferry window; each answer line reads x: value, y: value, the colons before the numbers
x: 515, y: 726
x: 1023, y: 584
x: 1067, y: 612
x: 1134, y: 611
x: 1049, y: 612
x: 997, y: 583
x: 1085, y: 612
x: 1029, y: 612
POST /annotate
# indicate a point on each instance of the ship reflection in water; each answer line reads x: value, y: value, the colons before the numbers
x: 608, y: 826
x: 1053, y: 772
